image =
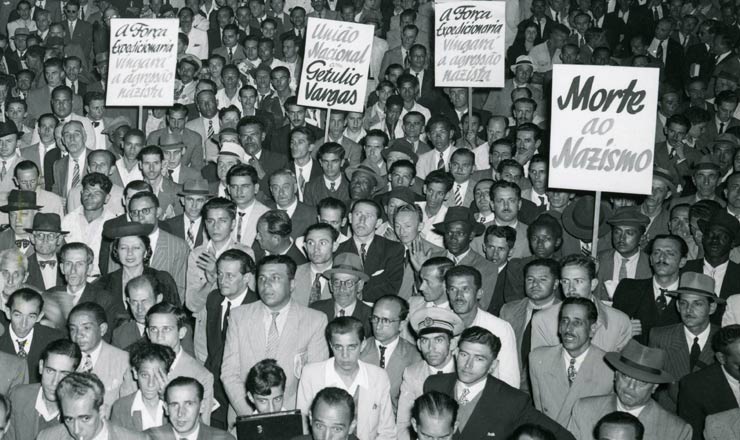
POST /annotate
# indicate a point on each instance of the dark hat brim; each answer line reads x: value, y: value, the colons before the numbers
x: 478, y: 228
x: 58, y: 231
x: 11, y: 208
x: 637, y: 371
x: 580, y: 232
x: 689, y: 290
x: 346, y: 270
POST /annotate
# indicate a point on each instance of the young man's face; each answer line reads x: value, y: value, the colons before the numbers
x: 268, y: 403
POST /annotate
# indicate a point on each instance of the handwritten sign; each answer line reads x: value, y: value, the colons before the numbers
x: 469, y: 37
x: 143, y: 60
x: 603, y: 128
x: 336, y: 65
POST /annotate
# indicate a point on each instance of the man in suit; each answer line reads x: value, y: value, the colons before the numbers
x: 296, y: 117
x: 163, y: 316
x: 273, y: 237
x: 720, y: 233
x: 77, y: 31
x: 400, y: 54
x: 696, y: 302
x: 284, y: 191
x: 141, y: 295
x: 231, y: 50
x: 563, y: 374
x: 81, y: 399
x: 725, y: 104
x: 294, y: 335
x: 41, y: 100
x: 21, y: 207
x: 626, y: 260
x: 337, y: 124
x: 87, y: 326
x: 184, y: 401
x: 639, y: 372
x: 694, y: 403
x: 238, y: 273
x: 194, y: 141
x: 174, y: 149
x: 189, y: 225
x: 152, y: 164
x: 497, y: 248
x: 28, y: 418
x: 320, y: 242
x: 205, y: 125
x: 723, y: 425
x: 302, y: 150
x: 506, y: 201
x: 645, y: 300
x: 440, y: 133
x: 243, y: 188
x: 251, y: 136
x: 144, y: 408
x: 488, y: 407
x: 672, y: 154
x: 69, y: 170
x: 25, y: 337
x: 373, y: 390
x: 435, y: 327
x: 462, y: 164
x: 654, y: 205
x: 76, y: 260
x: 578, y: 278
x: 386, y: 348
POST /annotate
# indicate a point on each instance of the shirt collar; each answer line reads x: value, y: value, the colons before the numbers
x: 474, y: 389
x: 236, y: 302
x: 15, y: 338
x: 95, y: 354
x: 138, y: 405
x: 449, y: 367
x: 635, y: 412
x: 42, y: 409
x: 361, y: 379
x: 703, y: 336
x: 348, y: 311
x: 192, y: 436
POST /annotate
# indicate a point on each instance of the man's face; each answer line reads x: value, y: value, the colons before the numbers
x: 695, y: 310
x: 497, y: 250
x: 56, y: 368
x: 140, y: 300
x: 331, y: 422
x: 75, y: 267
x: 218, y: 224
x: 482, y: 196
x: 61, y: 104
x: 435, y: 194
x: 461, y: 167
x: 331, y: 164
x: 149, y: 377
x: 669, y: 104
x: 373, y: 148
x: 13, y: 273
x: 575, y: 328
x: 538, y: 176
x: 463, y: 294
x: 298, y: 18
x: 223, y: 165
x: 392, y: 113
x: 457, y: 237
x: 418, y: 58
x: 131, y: 147
x: 626, y: 239
x: 94, y: 197
x: 731, y: 360
x: 162, y: 329
x: 526, y: 146
x: 675, y: 134
x: 46, y: 243
x: 231, y: 281
x: 631, y: 392
x: 7, y: 146
x: 391, y: 311
x: 506, y: 204
x: 21, y: 219
x: 576, y: 282
x: 23, y: 10
x: 408, y: 38
x: 74, y: 138
x: 283, y: 189
x: 406, y: 226
x: 193, y: 205
x: 458, y: 97
x: 319, y: 246
x: 660, y: 192
x: 539, y: 284
x: 72, y: 70
x: 23, y: 316
x: 183, y: 408
x: 206, y: 105
x: 543, y: 242
x: 346, y: 348
x: 85, y: 331
x: 265, y: 49
x: 280, y: 80
x: 336, y: 124
x: 16, y: 112
x: 80, y: 417
x: 332, y: 217
x: 723, y: 153
x: 176, y: 120
x: 523, y: 74
x: 400, y: 176
x: 251, y: 138
x: 440, y: 136
x: 151, y: 166
x: 242, y: 190
x: 474, y: 362
x: 725, y: 111
x: 717, y: 242
x: 666, y: 257
x: 500, y: 152
x: 54, y: 75
x: 413, y: 126
x: 268, y: 403
x: 435, y: 348
x: 274, y: 285
x: 663, y: 30
x: 706, y: 182
x: 290, y: 49
x: 432, y: 284
x: 364, y: 219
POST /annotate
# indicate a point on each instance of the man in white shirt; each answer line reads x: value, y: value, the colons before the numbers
x: 103, y: 162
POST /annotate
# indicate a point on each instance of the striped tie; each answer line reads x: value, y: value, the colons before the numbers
x: 76, y: 174
x: 458, y: 196
x: 210, y: 130
x: 273, y: 337
x: 441, y: 162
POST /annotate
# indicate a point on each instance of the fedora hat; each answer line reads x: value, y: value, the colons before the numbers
x: 629, y: 216
x: 19, y: 200
x: 171, y: 141
x: 401, y: 148
x: 233, y: 149
x: 118, y: 121
x: 347, y: 263
x: 578, y: 218
x: 696, y: 284
x: 706, y: 163
x: 460, y: 214
x: 46, y: 222
x: 725, y: 220
x: 128, y: 229
x: 195, y: 187
x: 8, y: 127
x: 436, y: 319
x: 640, y: 362
x: 666, y: 176
x: 366, y: 170
x: 522, y: 60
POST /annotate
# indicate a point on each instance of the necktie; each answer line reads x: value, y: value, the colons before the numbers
x: 315, y: 289
x: 441, y: 162
x: 659, y: 51
x: 210, y: 129
x: 693, y: 356
x: 623, y: 269
x: 191, y: 234
x: 4, y: 170
x: 672, y: 153
x: 542, y: 200
x: 239, y: 227
x: 721, y: 129
x: 333, y: 187
x: 382, y: 355
x: 301, y: 180
x: 656, y: 13
x: 76, y: 174
x: 72, y: 86
x: 363, y: 252
x: 22, y: 348
x: 171, y: 173
x: 462, y: 399
x: 661, y: 301
x: 458, y: 196
x: 231, y: 54
x: 527, y: 339
x: 71, y: 28
x: 225, y: 320
x: 96, y: 124
x: 341, y: 312
x: 49, y: 263
x: 87, y: 364
x: 272, y: 337
x: 82, y: 14
x: 572, y: 371
x: 23, y: 243
x: 557, y: 17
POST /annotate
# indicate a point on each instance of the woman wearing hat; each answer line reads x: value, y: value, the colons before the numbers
x: 132, y: 250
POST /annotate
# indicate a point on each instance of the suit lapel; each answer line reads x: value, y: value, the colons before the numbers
x: 259, y: 339
x: 482, y: 410
x: 558, y: 375
x: 679, y: 352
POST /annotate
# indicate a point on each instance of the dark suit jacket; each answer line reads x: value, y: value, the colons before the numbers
x: 674, y: 64
x: 541, y: 36
x: 695, y: 403
x: 362, y: 311
x: 499, y: 292
x: 83, y: 35
x: 271, y: 162
x: 125, y: 334
x: 25, y: 421
x: 698, y: 54
x: 384, y: 265
x: 730, y: 285
x: 42, y: 336
x: 58, y: 304
x: 293, y: 252
x: 166, y: 432
x: 636, y: 299
x: 280, y: 140
x: 35, y: 278
x: 638, y: 22
x: 303, y: 217
x: 176, y: 227
x: 499, y: 411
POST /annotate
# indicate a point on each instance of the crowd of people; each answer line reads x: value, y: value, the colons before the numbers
x: 403, y: 272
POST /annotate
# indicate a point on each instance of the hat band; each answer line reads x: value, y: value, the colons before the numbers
x: 641, y: 367
x: 694, y: 289
x: 346, y: 267
x: 434, y: 329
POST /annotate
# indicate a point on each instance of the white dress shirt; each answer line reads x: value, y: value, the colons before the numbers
x: 147, y: 421
x: 717, y: 273
x: 631, y: 265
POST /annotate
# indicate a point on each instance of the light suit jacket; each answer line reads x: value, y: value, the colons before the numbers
x: 15, y: 372
x: 659, y: 423
x: 722, y: 426
x: 301, y: 342
x: 115, y: 432
x: 375, y: 418
x: 24, y: 419
x: 113, y: 369
x: 188, y: 366
x: 404, y: 355
x: 550, y: 389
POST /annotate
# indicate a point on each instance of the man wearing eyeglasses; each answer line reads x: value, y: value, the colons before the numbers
x: 386, y: 348
x: 346, y: 280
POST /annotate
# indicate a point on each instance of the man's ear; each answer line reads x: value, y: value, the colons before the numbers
x: 103, y: 329
x: 494, y: 365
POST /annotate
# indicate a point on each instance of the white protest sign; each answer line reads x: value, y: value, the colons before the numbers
x: 469, y: 37
x: 336, y: 65
x: 143, y: 60
x: 603, y: 128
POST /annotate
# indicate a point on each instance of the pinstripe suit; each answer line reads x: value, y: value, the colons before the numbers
x: 170, y: 255
x: 60, y: 174
x: 404, y: 355
x: 550, y: 389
